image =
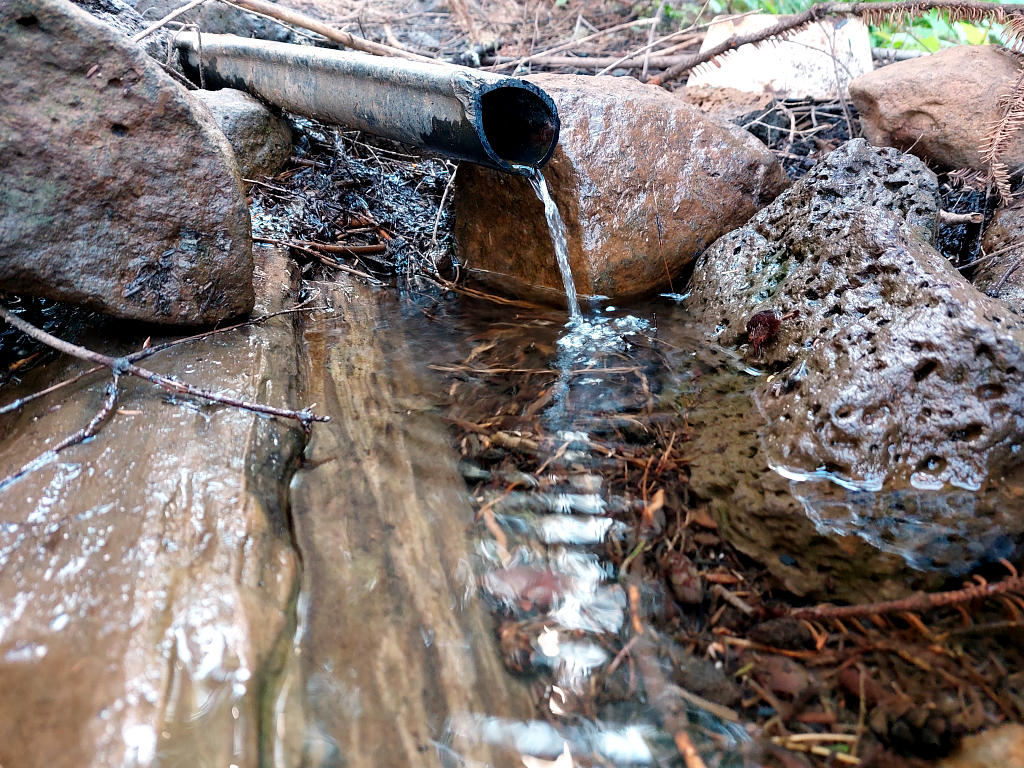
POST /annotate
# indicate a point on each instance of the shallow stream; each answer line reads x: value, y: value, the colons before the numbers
x: 450, y: 578
x: 532, y: 561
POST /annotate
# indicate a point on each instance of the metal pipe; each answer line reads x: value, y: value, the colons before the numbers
x: 462, y: 113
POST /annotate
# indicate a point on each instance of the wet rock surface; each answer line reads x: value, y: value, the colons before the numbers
x: 1001, y: 274
x: 940, y: 106
x: 895, y: 387
x: 118, y: 194
x: 148, y: 573
x: 262, y: 141
x: 758, y: 513
x: 393, y: 652
x: 643, y: 181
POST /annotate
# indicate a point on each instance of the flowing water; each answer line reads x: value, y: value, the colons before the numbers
x: 545, y: 415
x: 558, y: 239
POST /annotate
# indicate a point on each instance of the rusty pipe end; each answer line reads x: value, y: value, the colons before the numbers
x: 517, y: 124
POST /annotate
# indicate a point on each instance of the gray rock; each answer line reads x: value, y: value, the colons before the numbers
x: 262, y: 141
x: 120, y: 15
x: 896, y: 401
x: 117, y: 193
x: 644, y: 182
x: 1001, y: 275
x: 756, y: 267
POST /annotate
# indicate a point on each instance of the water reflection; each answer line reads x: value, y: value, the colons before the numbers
x: 930, y: 530
x: 563, y: 613
x: 585, y: 742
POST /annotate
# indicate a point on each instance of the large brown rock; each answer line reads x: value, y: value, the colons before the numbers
x: 939, y: 107
x: 894, y: 412
x: 115, y: 192
x: 148, y: 574
x: 643, y: 181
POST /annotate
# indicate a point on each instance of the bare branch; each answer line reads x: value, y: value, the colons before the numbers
x: 21, y: 402
x: 959, y: 10
x: 124, y: 365
x: 81, y: 435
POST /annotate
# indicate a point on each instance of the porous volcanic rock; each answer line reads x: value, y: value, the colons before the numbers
x: 117, y: 192
x: 262, y: 140
x: 939, y: 107
x: 643, y: 181
x: 896, y: 386
x: 1001, y: 275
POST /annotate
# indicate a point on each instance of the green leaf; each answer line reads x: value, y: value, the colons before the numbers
x: 972, y: 34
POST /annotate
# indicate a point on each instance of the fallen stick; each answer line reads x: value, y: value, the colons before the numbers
x: 789, y: 24
x: 80, y: 436
x: 123, y: 365
x: 573, y: 43
x: 353, y: 250
x: 166, y: 19
x: 298, y: 19
x: 145, y: 352
x: 952, y: 219
x: 322, y: 258
x: 689, y: 752
x: 920, y: 601
x: 635, y: 62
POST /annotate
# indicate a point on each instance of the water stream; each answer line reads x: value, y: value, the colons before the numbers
x: 556, y: 226
x: 561, y: 608
x: 535, y: 558
x: 448, y: 580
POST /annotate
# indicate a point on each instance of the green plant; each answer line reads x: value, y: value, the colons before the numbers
x: 932, y: 32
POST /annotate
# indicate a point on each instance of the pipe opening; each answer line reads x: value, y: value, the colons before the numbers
x: 521, y: 126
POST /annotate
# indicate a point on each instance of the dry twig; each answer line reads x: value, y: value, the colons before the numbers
x: 123, y: 365
x: 966, y: 10
x: 304, y: 21
x: 166, y: 20
x: 922, y: 601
